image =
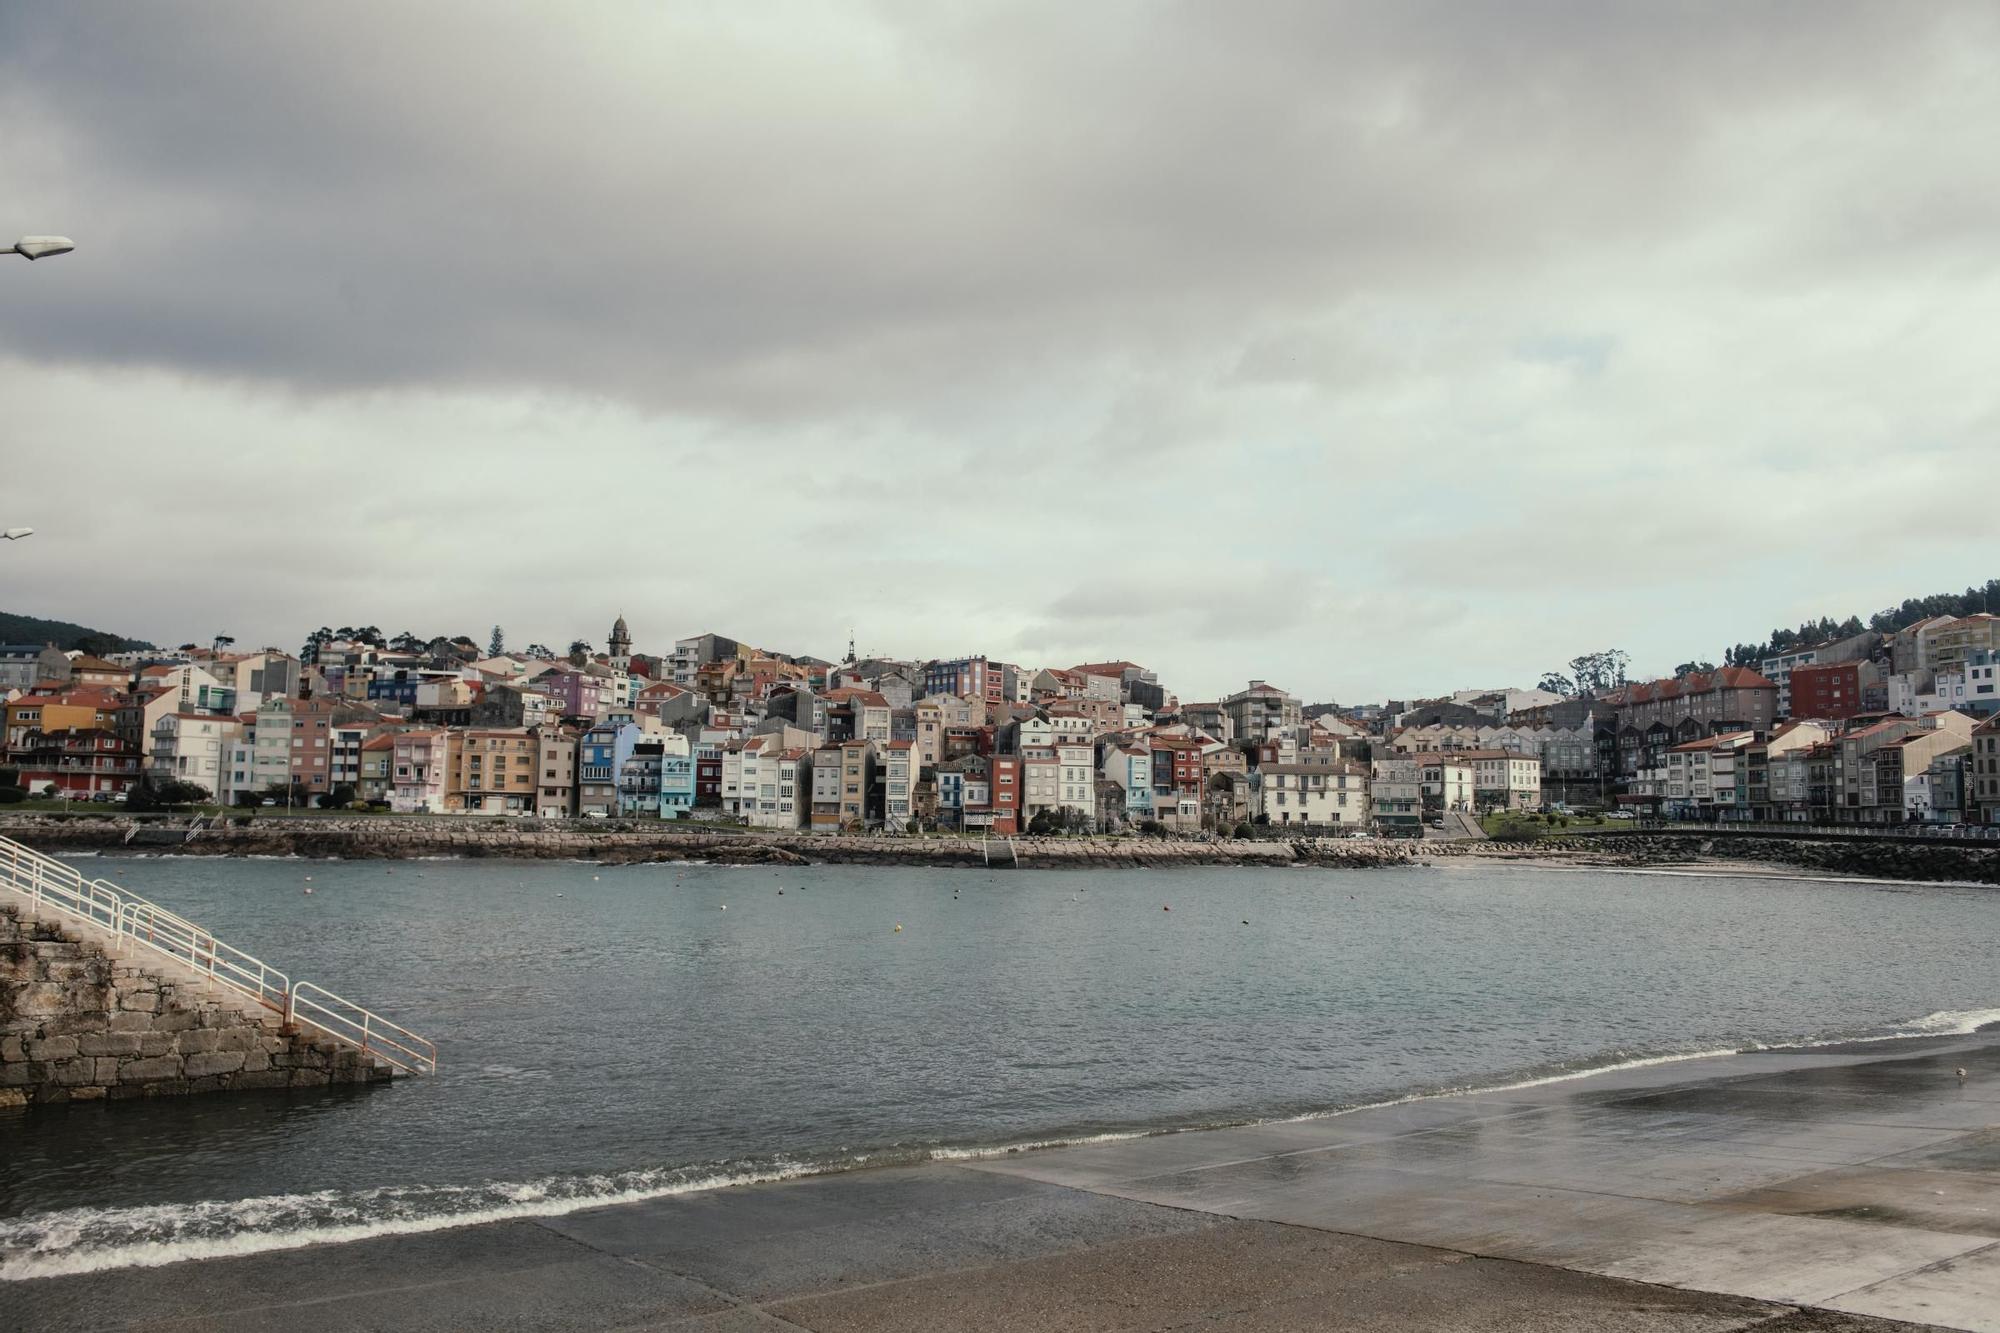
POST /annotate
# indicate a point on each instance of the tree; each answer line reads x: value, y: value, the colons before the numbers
x: 1557, y: 683
x: 540, y: 652
x: 1243, y: 830
x: 1152, y: 828
x: 1595, y: 673
x: 339, y: 798
x: 177, y: 791
x: 1045, y: 822
x: 497, y: 644
x: 406, y: 642
x: 13, y: 795
x: 1689, y: 668
x: 315, y: 641
x: 221, y: 641
x: 579, y: 651
x: 9, y: 776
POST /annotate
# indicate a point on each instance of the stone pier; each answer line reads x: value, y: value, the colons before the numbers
x: 80, y: 1023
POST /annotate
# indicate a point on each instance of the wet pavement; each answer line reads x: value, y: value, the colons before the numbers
x: 1825, y: 1189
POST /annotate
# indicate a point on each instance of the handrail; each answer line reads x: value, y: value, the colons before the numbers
x: 349, y: 1022
x: 43, y: 880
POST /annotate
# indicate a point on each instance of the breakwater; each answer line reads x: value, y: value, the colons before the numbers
x: 634, y: 841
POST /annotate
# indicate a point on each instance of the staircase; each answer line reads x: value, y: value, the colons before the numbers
x: 138, y: 928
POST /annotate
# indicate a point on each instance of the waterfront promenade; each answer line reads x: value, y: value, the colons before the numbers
x: 1822, y: 1189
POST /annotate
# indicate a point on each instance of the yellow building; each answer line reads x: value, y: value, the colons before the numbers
x: 493, y: 772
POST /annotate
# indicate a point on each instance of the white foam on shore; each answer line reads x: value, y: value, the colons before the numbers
x: 1942, y: 1023
x: 90, y: 1240
x: 1031, y: 1145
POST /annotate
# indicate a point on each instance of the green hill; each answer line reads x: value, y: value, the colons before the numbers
x: 82, y: 638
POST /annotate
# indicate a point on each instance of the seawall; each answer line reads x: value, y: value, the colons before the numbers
x: 79, y: 1024
x: 624, y: 842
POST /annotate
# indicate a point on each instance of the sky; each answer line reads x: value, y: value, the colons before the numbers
x: 1375, y: 350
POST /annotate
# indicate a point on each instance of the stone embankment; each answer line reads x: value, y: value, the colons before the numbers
x: 1870, y: 858
x: 618, y: 842
x: 621, y: 842
x: 78, y: 1024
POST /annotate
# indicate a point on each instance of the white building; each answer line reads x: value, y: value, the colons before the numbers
x: 1315, y: 795
x: 783, y: 792
x: 898, y: 766
x: 193, y: 747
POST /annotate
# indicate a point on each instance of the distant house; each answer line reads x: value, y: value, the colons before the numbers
x: 23, y: 665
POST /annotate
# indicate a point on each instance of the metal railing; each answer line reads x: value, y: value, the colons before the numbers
x: 132, y: 920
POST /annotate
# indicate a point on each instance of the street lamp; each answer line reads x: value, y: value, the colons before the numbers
x: 40, y: 247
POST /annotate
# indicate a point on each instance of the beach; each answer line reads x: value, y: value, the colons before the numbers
x: 1826, y: 1188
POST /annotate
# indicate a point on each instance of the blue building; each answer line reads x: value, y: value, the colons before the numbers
x: 600, y: 759
x: 676, y: 783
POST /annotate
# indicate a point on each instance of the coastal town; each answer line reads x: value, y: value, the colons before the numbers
x: 1870, y: 728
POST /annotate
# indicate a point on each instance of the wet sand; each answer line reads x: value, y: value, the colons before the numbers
x: 1828, y: 1188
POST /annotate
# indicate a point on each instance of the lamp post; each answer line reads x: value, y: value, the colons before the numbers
x: 40, y: 247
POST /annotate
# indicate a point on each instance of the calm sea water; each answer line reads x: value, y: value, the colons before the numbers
x: 611, y: 1033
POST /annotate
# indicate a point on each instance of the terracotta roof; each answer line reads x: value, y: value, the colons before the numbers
x: 1697, y: 682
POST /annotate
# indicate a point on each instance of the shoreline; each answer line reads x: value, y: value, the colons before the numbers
x: 529, y: 1200
x: 1844, y: 1177
x: 360, y: 839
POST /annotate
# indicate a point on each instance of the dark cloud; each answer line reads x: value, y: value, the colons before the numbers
x: 937, y: 285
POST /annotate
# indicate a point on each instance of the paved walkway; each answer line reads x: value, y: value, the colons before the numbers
x: 1786, y: 1191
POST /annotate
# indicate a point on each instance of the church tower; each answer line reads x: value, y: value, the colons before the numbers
x: 620, y: 645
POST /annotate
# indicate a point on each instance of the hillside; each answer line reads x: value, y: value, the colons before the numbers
x: 1886, y: 621
x: 61, y: 633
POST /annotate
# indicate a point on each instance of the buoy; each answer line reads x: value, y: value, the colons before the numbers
x: 1166, y: 909
x: 781, y: 893
x: 899, y: 930
x: 309, y: 879
x: 725, y: 907
x: 595, y: 878
x: 308, y: 888
x: 1246, y: 922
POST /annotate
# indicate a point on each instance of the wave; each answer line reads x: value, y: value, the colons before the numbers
x: 86, y: 1240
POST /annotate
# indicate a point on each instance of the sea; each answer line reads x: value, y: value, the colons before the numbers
x: 622, y: 1033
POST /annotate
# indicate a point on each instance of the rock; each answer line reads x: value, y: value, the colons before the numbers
x: 144, y: 1071
x: 197, y: 1041
x: 220, y: 1062
x: 52, y: 1048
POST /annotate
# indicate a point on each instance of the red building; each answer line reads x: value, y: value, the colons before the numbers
x: 1831, y: 690
x: 707, y: 774
x: 79, y: 762
x: 1177, y: 767
x: 1006, y: 798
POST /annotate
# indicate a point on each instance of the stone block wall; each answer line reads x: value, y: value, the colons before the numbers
x: 77, y: 1024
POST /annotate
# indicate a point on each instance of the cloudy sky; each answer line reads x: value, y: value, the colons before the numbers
x: 1367, y: 348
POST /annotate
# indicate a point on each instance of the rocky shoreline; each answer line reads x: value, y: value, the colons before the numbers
x: 622, y: 843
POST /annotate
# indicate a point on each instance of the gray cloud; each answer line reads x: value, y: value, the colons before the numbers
x: 1299, y: 325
